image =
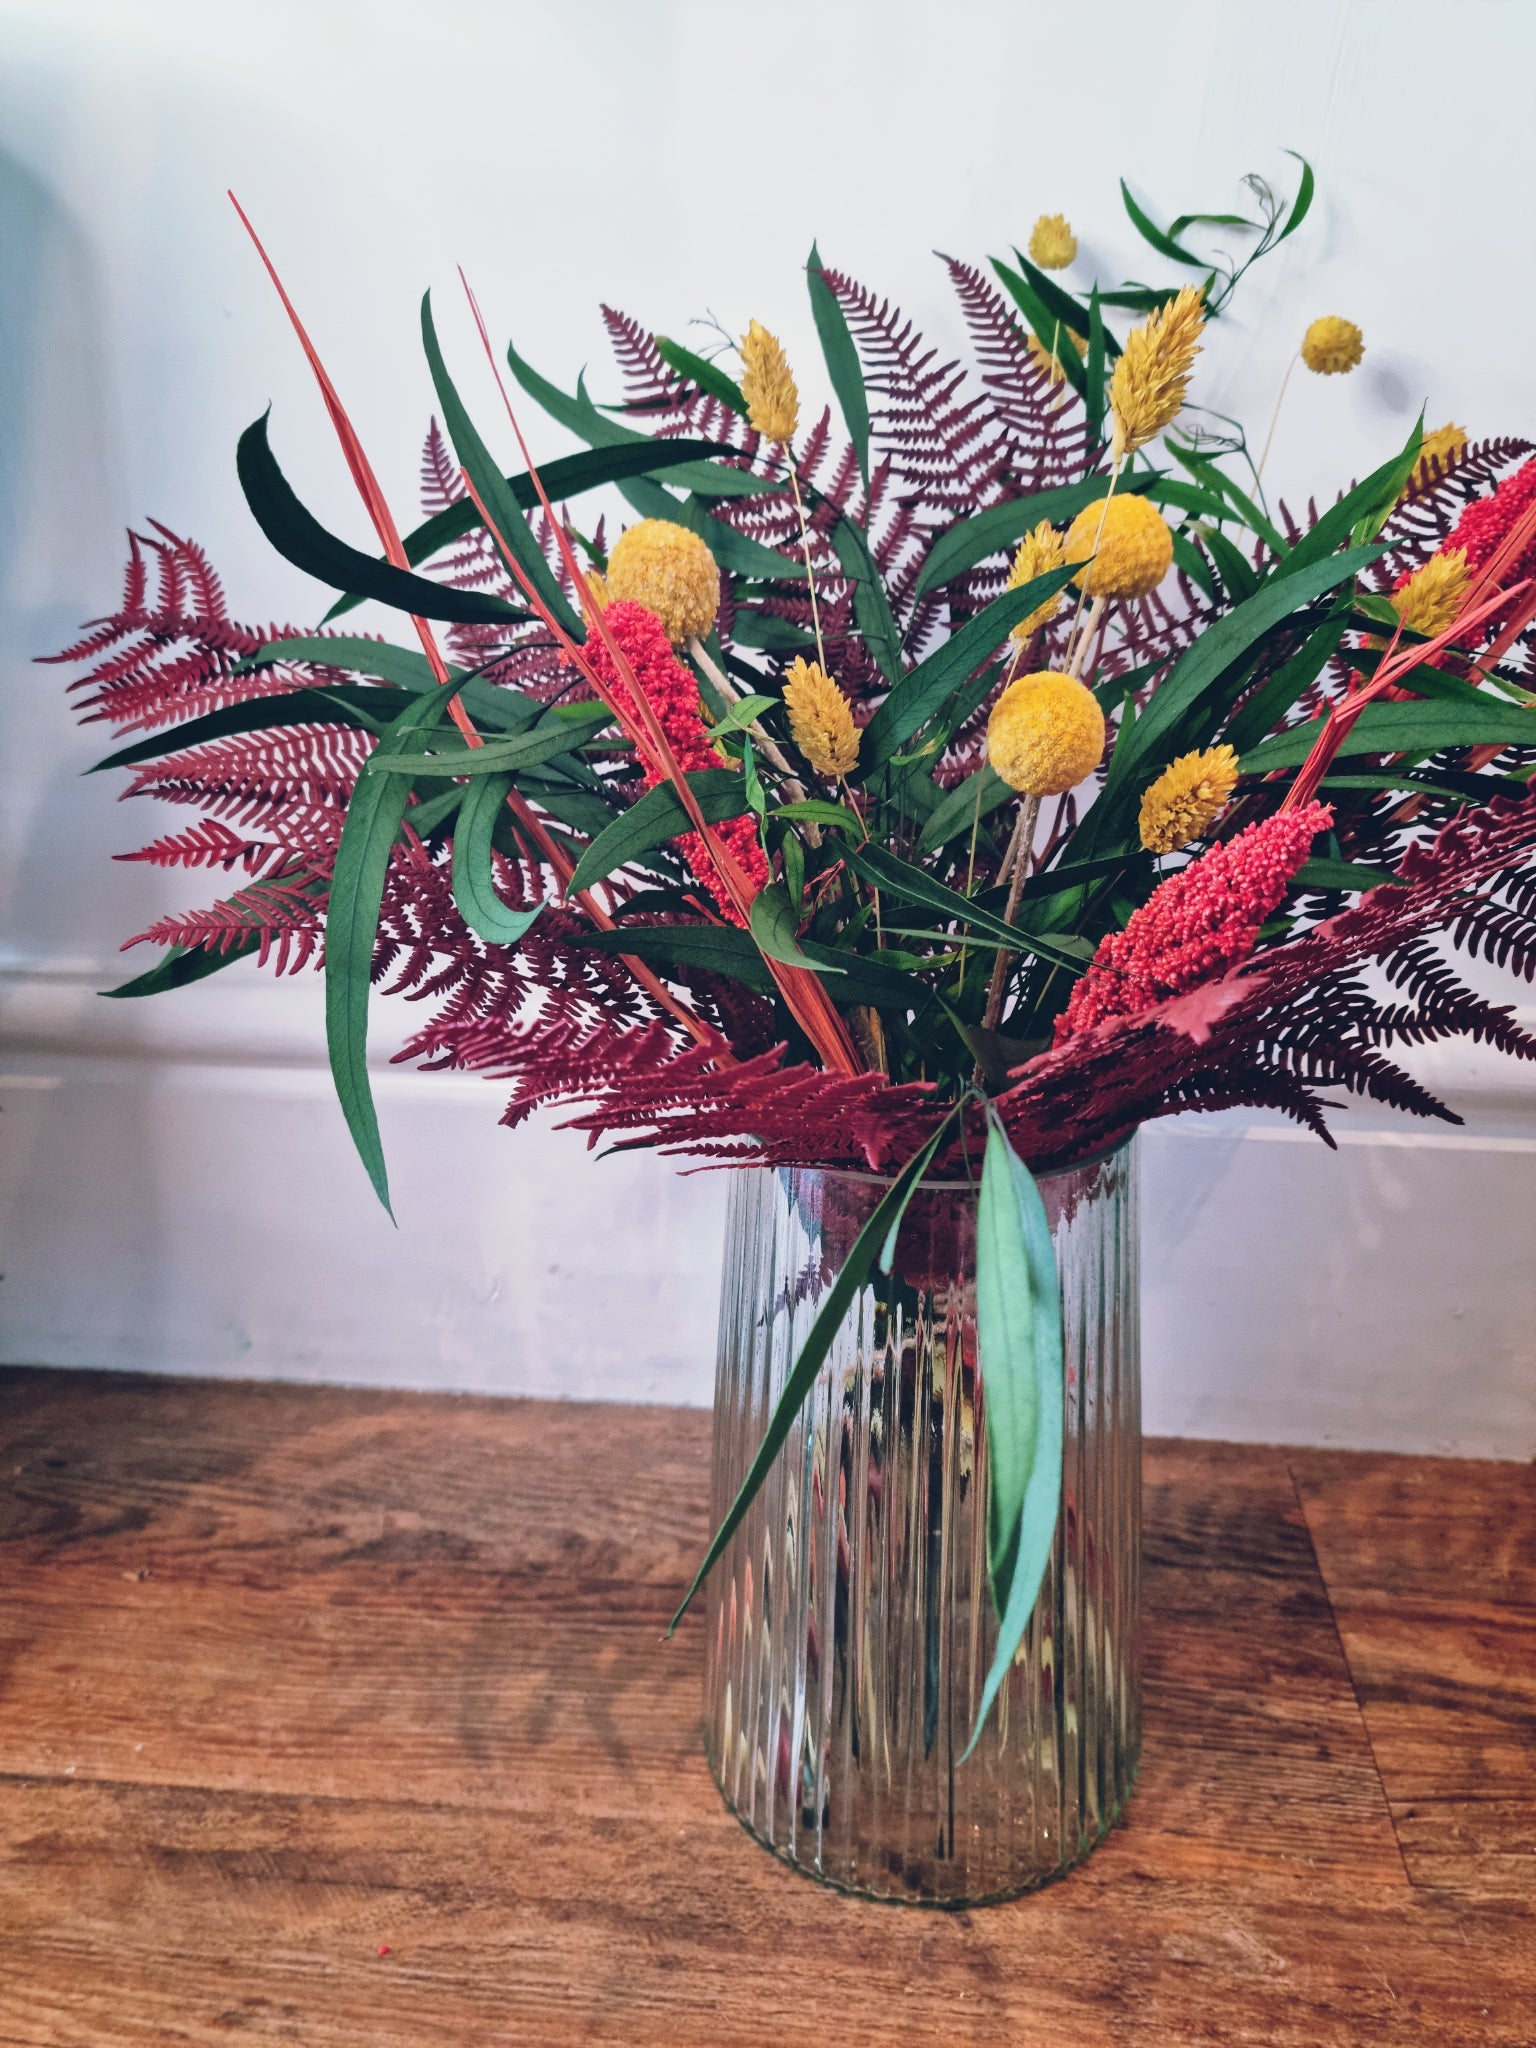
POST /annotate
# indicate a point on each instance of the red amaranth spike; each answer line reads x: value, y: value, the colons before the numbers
x: 1201, y: 922
x: 674, y: 696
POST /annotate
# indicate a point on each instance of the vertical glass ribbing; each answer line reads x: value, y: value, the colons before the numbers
x: 850, y: 1626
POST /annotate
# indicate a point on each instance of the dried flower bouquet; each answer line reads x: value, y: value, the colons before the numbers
x: 957, y: 790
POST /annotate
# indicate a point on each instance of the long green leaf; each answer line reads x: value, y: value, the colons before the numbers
x: 1019, y: 1339
x: 877, y: 1238
x: 1273, y: 699
x: 583, y: 419
x: 488, y: 480
x: 566, y: 477
x: 842, y: 360
x: 920, y: 693
x: 490, y: 704
x: 1420, y: 727
x: 344, y: 705
x: 1301, y: 205
x: 300, y: 538
x: 915, y: 885
x: 352, y: 923
x: 1046, y: 326
x: 774, y: 927
x: 655, y: 818
x: 474, y: 887
x: 1061, y: 305
x: 1227, y: 641
x: 960, y: 805
x: 1340, y: 520
x: 722, y: 948
x: 708, y: 376
x: 554, y: 735
x: 871, y: 606
x: 183, y: 965
x: 1150, y: 232
x: 969, y: 541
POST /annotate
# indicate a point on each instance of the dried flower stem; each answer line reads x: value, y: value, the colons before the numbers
x: 1082, y: 589
x: 1016, y: 863
x: 805, y: 549
x: 1274, y: 418
x: 1094, y: 621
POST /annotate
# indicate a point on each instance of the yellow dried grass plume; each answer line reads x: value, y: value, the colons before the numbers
x: 1433, y: 595
x: 768, y: 385
x: 1187, y: 798
x: 1039, y: 553
x: 1146, y: 393
x: 820, y: 718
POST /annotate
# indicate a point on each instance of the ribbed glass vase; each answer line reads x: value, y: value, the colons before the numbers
x: 851, y: 1626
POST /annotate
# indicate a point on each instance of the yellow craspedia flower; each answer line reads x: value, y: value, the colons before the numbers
x: 671, y: 572
x: 1438, y: 450
x: 1039, y: 552
x: 1187, y: 799
x: 1433, y: 595
x: 1046, y: 734
x: 1146, y: 393
x: 1052, y: 243
x: 1133, y: 553
x: 768, y: 385
x: 1331, y: 346
x: 820, y: 719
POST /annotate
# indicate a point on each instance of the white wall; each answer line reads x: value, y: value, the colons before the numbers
x: 175, y: 1188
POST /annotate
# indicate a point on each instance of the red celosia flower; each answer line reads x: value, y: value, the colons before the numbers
x: 673, y: 695
x: 1485, y: 523
x: 1202, y: 921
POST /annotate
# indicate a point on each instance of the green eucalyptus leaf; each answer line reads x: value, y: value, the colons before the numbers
x: 1150, y: 232
x: 775, y: 928
x: 1301, y: 205
x: 183, y: 965
x: 474, y: 886
x: 1417, y: 727
x: 742, y: 715
x: 342, y: 705
x: 552, y: 736
x: 708, y: 376
x: 1020, y: 1350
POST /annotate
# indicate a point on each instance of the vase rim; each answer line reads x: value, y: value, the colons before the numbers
x: 967, y: 1186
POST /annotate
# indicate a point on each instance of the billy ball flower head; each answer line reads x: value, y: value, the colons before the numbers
x: 1131, y: 555
x: 1151, y: 377
x: 820, y: 719
x: 1331, y: 346
x: 1052, y: 243
x: 1039, y: 552
x: 671, y: 572
x: 768, y: 385
x: 1430, y: 598
x: 1046, y: 734
x: 1187, y: 799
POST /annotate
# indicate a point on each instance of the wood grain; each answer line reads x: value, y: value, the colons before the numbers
x: 290, y: 1676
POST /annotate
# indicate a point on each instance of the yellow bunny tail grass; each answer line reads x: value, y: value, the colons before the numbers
x: 1433, y: 595
x: 1039, y: 552
x: 1187, y: 799
x: 1146, y: 393
x: 819, y: 718
x: 768, y: 385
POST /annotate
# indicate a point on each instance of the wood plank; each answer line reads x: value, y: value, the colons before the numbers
x: 1431, y: 1568
x: 192, y: 1916
x: 290, y: 1673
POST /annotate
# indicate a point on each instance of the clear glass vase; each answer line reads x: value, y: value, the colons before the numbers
x: 851, y: 1626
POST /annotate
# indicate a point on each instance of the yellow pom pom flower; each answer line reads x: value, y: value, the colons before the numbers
x: 671, y: 572
x: 1331, y: 346
x: 820, y: 719
x: 1146, y: 393
x: 1039, y: 552
x: 1433, y: 595
x: 1438, y: 450
x: 768, y: 385
x: 1187, y: 799
x: 1131, y: 555
x: 1052, y: 243
x: 1046, y: 734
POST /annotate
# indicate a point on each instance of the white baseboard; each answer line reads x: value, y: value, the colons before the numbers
x: 178, y: 1194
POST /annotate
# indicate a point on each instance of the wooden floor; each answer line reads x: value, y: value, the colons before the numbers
x: 345, y: 1719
